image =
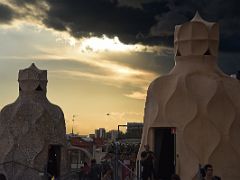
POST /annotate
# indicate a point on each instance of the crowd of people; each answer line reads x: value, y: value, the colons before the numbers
x: 148, y: 172
x: 104, y: 171
x: 95, y: 171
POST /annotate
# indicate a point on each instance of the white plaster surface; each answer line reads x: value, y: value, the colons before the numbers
x: 199, y: 100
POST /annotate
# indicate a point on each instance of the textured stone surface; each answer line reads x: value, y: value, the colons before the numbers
x: 28, y: 126
x: 199, y: 100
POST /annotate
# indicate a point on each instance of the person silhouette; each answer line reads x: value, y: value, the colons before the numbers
x: 208, y: 168
x: 2, y: 177
x: 147, y: 158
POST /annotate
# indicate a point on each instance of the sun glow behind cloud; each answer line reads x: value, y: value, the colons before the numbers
x: 102, y: 44
x: 91, y: 51
x: 106, y: 44
x: 52, y: 45
x: 125, y: 71
x: 94, y: 64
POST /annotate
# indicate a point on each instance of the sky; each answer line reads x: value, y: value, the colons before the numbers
x: 101, y: 55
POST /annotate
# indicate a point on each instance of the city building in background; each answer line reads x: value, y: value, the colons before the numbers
x: 134, y: 130
x: 91, y: 136
x: 80, y: 150
x: 100, y: 133
x: 113, y: 134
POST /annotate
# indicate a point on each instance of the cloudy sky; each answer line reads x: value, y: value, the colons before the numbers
x: 101, y: 55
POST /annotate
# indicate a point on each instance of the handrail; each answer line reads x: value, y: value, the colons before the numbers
x: 132, y: 172
x: 39, y: 171
x: 68, y: 174
x: 21, y: 164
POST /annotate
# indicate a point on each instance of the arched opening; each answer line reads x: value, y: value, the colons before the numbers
x: 54, y: 158
x: 77, y: 156
x: 164, y: 148
x: 178, y: 53
x: 207, y: 52
x: 39, y: 88
x: 2, y: 177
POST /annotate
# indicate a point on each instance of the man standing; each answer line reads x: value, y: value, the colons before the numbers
x: 209, y: 173
x: 147, y: 158
x: 95, y: 171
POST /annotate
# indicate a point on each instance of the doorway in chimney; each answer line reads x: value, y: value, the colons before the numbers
x: 165, y: 151
x: 54, y: 157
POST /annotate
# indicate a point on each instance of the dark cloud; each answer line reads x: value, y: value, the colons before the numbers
x: 145, y: 21
x: 229, y: 62
x: 6, y: 14
x: 226, y: 13
x: 150, y: 22
x: 97, y: 17
x: 55, y: 23
x: 29, y: 10
x: 230, y: 43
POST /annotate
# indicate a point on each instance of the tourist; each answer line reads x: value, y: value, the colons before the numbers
x: 95, y: 171
x: 2, y: 177
x: 147, y: 158
x: 175, y: 177
x: 85, y: 171
x: 208, y: 168
x: 108, y: 175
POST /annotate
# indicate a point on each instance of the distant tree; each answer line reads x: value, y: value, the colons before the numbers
x: 121, y: 135
x: 108, y: 135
